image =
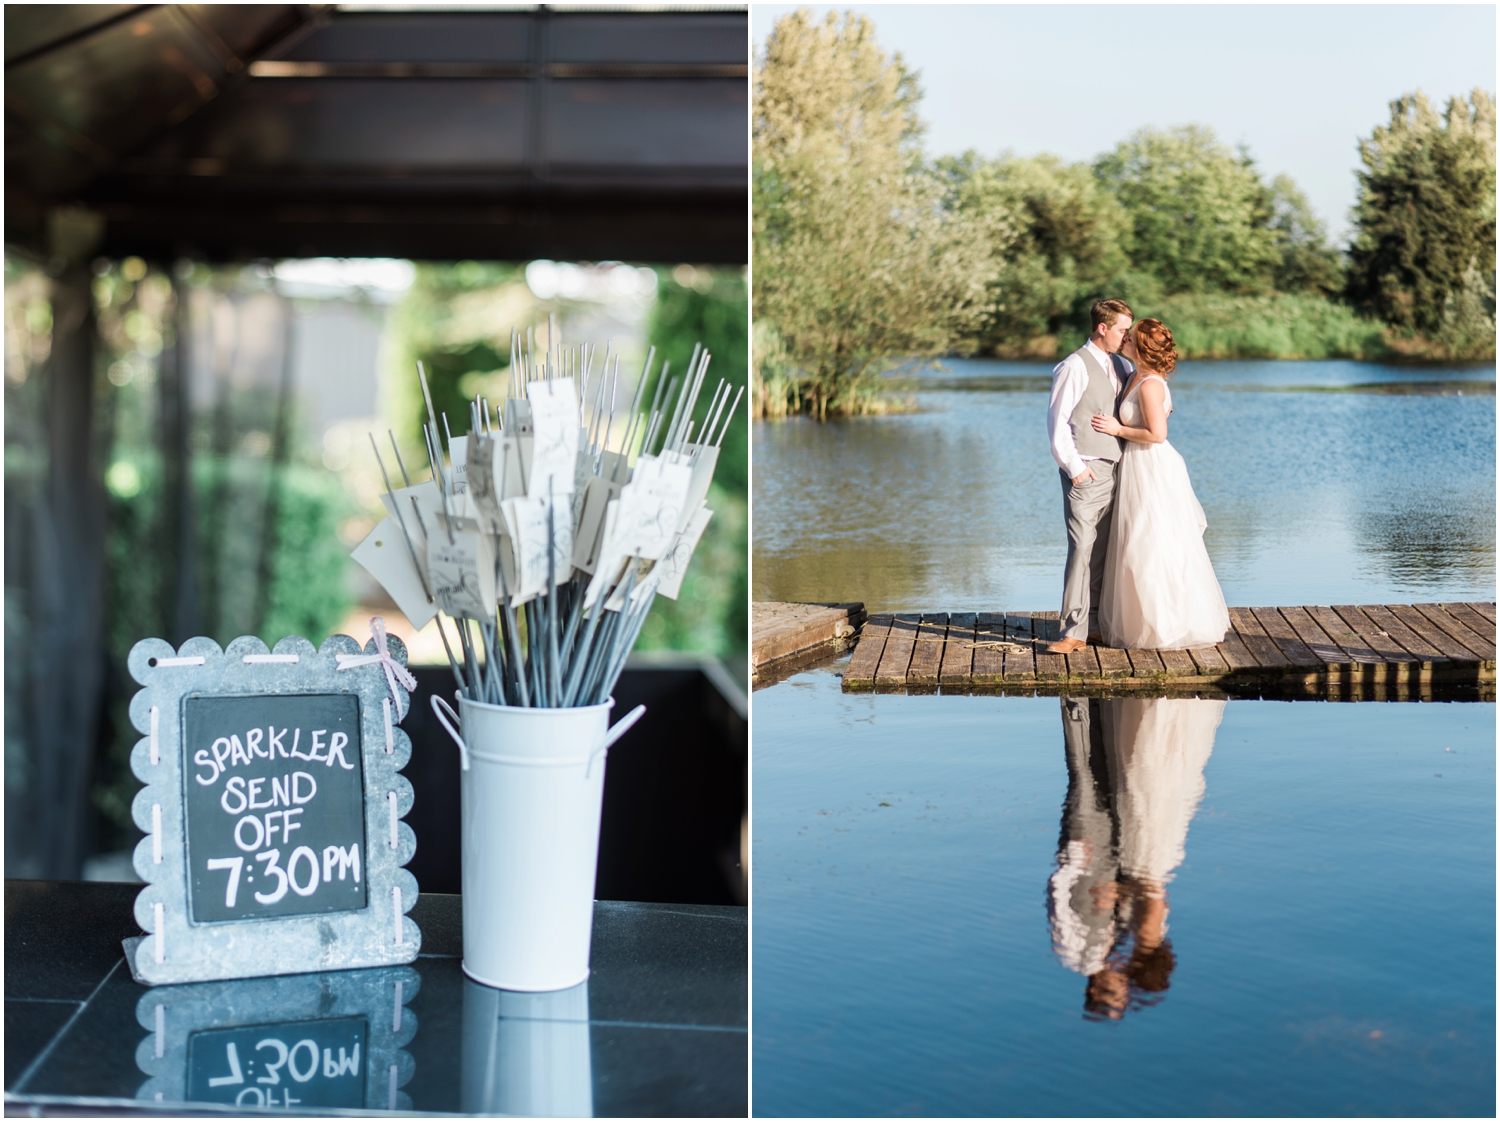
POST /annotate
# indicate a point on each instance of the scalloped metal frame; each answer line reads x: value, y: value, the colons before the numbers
x: 179, y: 950
x: 172, y: 1016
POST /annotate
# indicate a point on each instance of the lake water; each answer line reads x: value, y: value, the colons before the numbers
x: 1292, y: 913
x: 1323, y: 482
x: 976, y: 905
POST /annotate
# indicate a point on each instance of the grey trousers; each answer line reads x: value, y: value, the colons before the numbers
x: 1087, y: 510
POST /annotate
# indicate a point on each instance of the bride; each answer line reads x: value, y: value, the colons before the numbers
x: 1160, y: 592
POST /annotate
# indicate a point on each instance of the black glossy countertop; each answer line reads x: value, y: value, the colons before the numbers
x: 660, y: 1028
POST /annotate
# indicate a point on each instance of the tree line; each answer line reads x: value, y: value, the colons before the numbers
x: 865, y: 250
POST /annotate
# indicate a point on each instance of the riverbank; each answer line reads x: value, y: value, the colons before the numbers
x: 1277, y: 326
x: 1213, y: 326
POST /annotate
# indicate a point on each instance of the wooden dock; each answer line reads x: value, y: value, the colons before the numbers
x: 785, y: 636
x: 1308, y: 651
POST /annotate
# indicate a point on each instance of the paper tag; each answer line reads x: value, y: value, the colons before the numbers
x: 645, y: 583
x: 674, y: 565
x: 458, y: 464
x: 650, y: 507
x: 429, y: 500
x: 384, y: 556
x: 613, y: 466
x: 482, y: 492
x: 607, y: 571
x: 589, y: 536
x: 509, y: 467
x: 554, y: 425
x: 703, y: 462
x: 459, y: 582
x: 583, y: 465
x: 517, y: 417
x: 526, y: 522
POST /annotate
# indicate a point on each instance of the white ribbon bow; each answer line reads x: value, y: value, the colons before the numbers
x: 394, y: 671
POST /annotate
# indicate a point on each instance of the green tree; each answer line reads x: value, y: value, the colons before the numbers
x: 709, y: 613
x: 1055, y: 238
x: 1307, y: 262
x: 1423, y: 253
x: 1200, y: 218
x: 856, y: 260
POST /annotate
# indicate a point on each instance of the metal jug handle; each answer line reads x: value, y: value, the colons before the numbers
x: 439, y: 706
x: 622, y: 726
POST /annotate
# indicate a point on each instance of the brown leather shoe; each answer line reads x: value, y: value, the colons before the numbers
x: 1097, y: 640
x: 1066, y: 646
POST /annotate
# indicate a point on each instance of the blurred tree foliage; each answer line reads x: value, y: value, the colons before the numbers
x: 855, y: 260
x: 1423, y: 254
x: 711, y: 613
x: 456, y: 320
x: 1306, y: 262
x: 268, y: 559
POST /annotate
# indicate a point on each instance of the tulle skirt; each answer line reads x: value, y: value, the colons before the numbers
x: 1160, y: 592
x: 1161, y: 745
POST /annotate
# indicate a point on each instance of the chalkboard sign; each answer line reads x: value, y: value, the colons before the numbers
x: 276, y: 806
x: 274, y: 842
x: 312, y: 1042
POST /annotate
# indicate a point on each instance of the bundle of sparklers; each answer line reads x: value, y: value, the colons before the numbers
x: 547, y: 532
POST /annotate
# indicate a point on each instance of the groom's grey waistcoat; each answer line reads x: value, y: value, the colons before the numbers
x: 1098, y: 397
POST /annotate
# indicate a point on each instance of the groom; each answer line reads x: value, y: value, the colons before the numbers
x: 1088, y: 381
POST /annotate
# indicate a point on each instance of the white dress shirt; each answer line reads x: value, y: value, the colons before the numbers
x: 1070, y: 378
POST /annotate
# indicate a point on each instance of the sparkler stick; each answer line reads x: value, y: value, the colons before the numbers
x: 553, y: 650
x: 729, y: 418
x: 401, y: 521
x: 399, y: 463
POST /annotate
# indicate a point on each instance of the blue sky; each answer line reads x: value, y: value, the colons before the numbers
x: 1298, y: 84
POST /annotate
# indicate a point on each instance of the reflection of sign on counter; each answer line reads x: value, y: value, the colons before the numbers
x: 257, y: 1067
x: 274, y: 842
x: 313, y: 1041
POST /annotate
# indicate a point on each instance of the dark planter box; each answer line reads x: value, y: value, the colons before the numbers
x: 674, y: 793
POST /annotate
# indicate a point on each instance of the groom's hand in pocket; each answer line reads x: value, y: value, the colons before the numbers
x: 1088, y: 476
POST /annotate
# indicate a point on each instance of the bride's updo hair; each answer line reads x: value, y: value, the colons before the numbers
x: 1153, y: 342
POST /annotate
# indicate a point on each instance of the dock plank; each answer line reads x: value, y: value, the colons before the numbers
x: 860, y: 673
x: 1467, y: 625
x: 1234, y: 653
x: 1208, y: 660
x: 958, y: 652
x: 1386, y: 649
x: 1146, y: 664
x: 1448, y: 646
x: 1314, y: 637
x: 1284, y: 635
x: 989, y: 657
x: 1113, y: 662
x: 1349, y: 640
x: 899, y: 645
x: 1045, y: 628
x: 1020, y: 648
x: 1260, y: 645
x: 1083, y: 664
x: 1486, y: 609
x: 1179, y: 664
x: 1416, y: 646
x: 927, y: 656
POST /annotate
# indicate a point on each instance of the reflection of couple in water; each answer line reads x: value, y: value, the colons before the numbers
x: 1135, y: 777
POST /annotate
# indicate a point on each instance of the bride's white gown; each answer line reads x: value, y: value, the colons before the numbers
x: 1160, y: 592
